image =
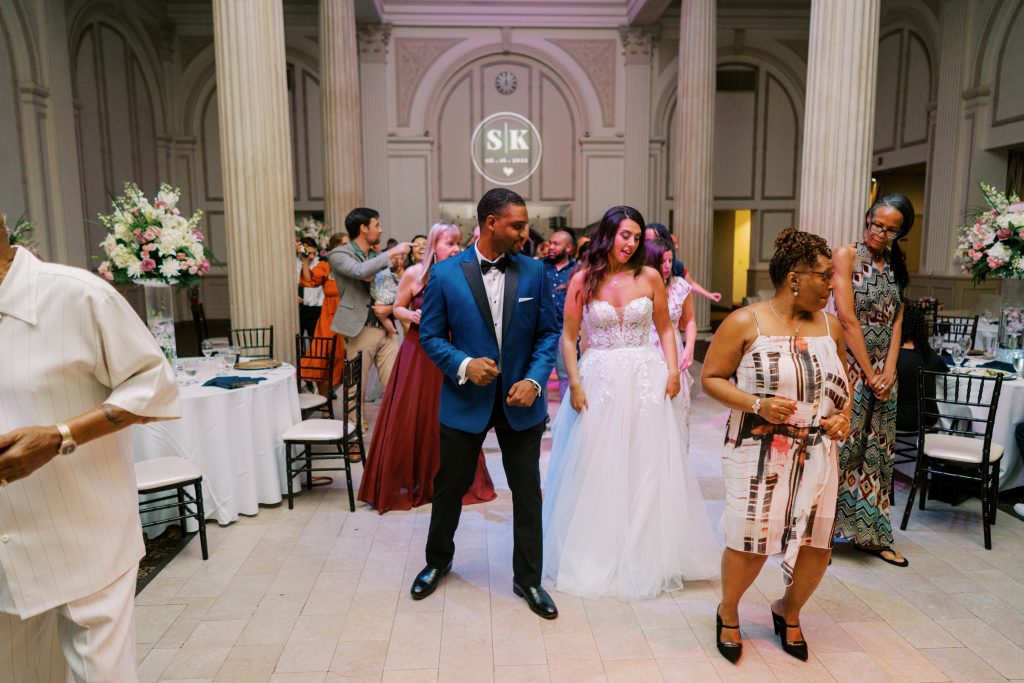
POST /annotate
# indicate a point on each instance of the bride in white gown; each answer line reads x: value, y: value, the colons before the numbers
x: 623, y: 515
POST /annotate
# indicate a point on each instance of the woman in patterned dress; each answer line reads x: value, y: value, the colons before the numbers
x: 869, y: 278
x: 777, y: 365
x: 660, y: 256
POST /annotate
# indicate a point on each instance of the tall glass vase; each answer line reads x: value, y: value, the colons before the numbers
x: 1011, y: 320
x: 160, y: 316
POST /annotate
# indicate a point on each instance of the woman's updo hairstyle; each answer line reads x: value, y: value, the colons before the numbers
x: 794, y: 248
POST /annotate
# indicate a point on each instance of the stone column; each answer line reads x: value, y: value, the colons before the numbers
x: 637, y: 44
x: 694, y: 147
x: 946, y: 183
x: 839, y: 117
x: 256, y: 158
x: 373, y: 60
x: 339, y: 92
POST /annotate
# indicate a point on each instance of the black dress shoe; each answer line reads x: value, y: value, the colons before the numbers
x: 426, y: 581
x: 538, y: 599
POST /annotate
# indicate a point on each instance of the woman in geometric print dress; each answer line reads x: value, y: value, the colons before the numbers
x: 869, y: 277
x: 777, y: 364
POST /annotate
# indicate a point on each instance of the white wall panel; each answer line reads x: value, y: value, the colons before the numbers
x: 735, y: 126
x: 605, y: 184
x: 409, y: 212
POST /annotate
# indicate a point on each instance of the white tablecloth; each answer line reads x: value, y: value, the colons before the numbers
x: 1009, y: 413
x: 233, y: 436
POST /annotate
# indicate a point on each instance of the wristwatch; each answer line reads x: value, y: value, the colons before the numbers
x: 67, y: 444
x: 755, y: 407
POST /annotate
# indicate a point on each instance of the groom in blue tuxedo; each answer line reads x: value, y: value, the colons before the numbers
x: 488, y: 322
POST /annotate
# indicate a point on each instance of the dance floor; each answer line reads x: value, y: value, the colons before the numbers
x: 320, y: 594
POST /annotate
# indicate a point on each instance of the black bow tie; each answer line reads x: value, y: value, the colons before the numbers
x: 501, y: 263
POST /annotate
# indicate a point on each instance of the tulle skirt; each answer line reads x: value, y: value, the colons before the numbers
x: 623, y: 513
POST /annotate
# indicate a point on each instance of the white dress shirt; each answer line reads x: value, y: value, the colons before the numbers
x: 311, y: 296
x: 70, y: 343
x: 494, y: 285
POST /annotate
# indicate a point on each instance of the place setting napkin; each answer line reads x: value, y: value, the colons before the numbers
x: 232, y: 381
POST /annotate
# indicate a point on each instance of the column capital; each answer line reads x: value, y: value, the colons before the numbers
x: 373, y: 42
x: 638, y: 43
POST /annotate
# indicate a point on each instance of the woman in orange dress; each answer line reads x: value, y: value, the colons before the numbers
x: 320, y: 276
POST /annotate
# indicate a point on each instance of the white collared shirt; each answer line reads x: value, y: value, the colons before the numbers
x: 494, y: 286
x: 70, y: 343
x: 311, y: 296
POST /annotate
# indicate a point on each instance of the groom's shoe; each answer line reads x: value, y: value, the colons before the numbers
x: 426, y: 581
x: 538, y: 599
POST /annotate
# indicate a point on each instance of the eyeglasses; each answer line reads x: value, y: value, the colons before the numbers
x: 823, y: 275
x: 879, y: 229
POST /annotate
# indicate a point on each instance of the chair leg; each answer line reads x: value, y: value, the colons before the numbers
x: 309, y: 466
x: 181, y: 508
x: 924, y: 489
x: 289, y: 475
x: 201, y: 518
x: 348, y: 476
x: 910, y: 499
x: 994, y: 497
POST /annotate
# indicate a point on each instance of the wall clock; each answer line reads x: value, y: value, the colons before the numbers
x: 506, y: 83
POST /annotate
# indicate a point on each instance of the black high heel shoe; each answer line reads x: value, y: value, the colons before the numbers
x: 794, y: 648
x: 728, y: 649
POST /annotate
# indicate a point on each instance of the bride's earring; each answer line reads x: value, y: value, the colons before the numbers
x: 795, y: 291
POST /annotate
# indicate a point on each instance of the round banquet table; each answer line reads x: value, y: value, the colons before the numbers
x: 1008, y: 414
x: 232, y: 435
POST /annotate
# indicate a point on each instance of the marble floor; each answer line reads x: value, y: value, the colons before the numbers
x: 318, y: 594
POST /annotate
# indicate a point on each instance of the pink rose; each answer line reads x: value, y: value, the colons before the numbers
x: 205, y: 267
x: 159, y: 204
x: 104, y: 270
x: 150, y: 235
x: 182, y: 256
x: 193, y: 269
x: 1004, y: 233
x: 198, y: 235
x: 994, y: 263
x: 148, y: 265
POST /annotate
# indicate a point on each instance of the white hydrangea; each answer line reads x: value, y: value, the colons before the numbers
x: 109, y: 243
x: 999, y: 251
x: 122, y: 256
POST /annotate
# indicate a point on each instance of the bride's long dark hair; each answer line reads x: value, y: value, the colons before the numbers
x: 595, y: 265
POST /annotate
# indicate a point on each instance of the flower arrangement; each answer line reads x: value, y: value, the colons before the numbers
x: 19, y: 236
x: 151, y: 242
x: 994, y: 244
x: 311, y: 227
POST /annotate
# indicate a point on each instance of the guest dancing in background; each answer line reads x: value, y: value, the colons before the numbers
x: 659, y: 231
x: 680, y: 312
x: 870, y: 277
x: 320, y: 276
x: 790, y: 407
x: 405, y: 449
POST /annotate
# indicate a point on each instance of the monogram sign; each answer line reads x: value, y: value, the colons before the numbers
x: 506, y: 148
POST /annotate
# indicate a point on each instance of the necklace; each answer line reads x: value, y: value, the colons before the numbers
x: 796, y: 330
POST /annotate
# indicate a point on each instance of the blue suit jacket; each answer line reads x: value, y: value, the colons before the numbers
x: 455, y: 323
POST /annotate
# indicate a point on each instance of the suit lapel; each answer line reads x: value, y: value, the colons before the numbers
x: 471, y: 269
x: 511, y: 290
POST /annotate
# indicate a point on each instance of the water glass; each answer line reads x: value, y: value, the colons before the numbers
x: 230, y: 355
x: 958, y: 352
x: 1018, y: 364
x: 207, y: 348
x: 190, y: 371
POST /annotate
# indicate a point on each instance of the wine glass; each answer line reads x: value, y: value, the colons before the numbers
x: 1018, y: 364
x: 190, y: 371
x: 207, y: 348
x: 958, y: 352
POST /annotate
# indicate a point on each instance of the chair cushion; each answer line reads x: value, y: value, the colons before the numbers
x: 160, y: 472
x: 310, y: 401
x: 317, y: 430
x: 959, y: 448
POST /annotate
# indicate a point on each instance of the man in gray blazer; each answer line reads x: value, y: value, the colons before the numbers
x: 354, y: 266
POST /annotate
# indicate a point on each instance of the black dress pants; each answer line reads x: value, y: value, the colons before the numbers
x: 520, y: 456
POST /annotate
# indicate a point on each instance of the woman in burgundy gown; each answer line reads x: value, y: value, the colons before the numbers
x: 405, y: 449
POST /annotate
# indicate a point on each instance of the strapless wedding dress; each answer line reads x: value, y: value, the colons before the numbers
x: 623, y: 514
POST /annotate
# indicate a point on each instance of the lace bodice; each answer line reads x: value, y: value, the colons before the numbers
x: 607, y: 329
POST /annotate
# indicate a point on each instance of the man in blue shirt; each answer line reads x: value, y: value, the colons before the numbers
x: 559, y: 266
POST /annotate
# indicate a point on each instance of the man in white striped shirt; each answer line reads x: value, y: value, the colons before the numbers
x: 77, y: 366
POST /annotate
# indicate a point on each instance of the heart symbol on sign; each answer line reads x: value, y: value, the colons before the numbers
x: 508, y: 171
